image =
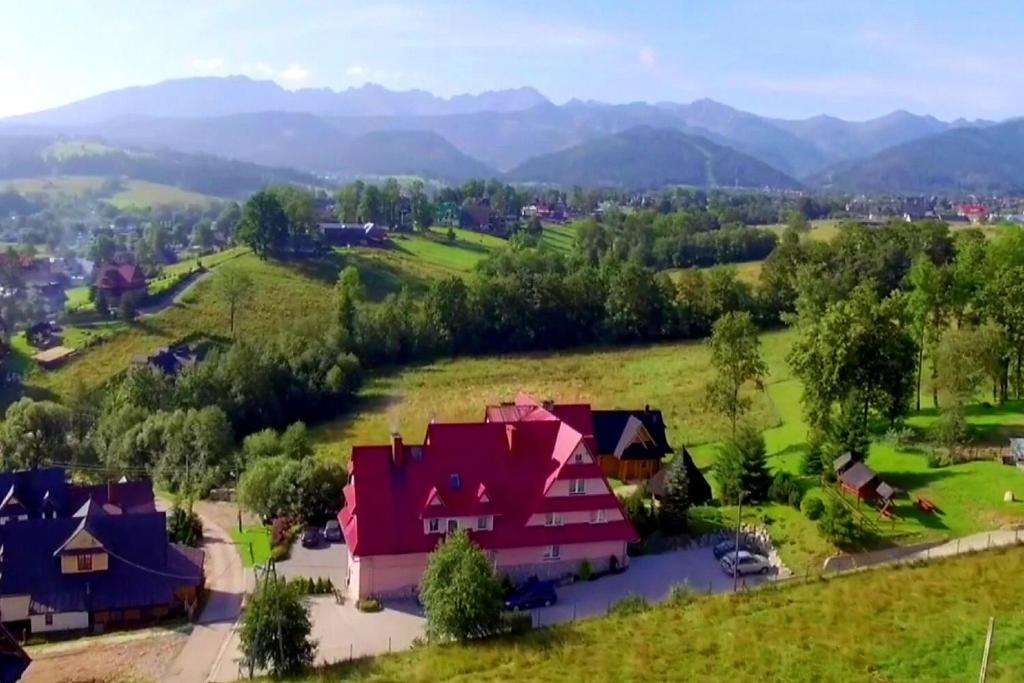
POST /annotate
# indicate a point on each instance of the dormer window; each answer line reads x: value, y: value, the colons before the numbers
x: 483, y: 523
x: 453, y: 525
x: 577, y: 487
x: 578, y: 457
x: 455, y: 481
x: 434, y: 525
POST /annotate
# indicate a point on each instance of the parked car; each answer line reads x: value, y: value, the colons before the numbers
x: 533, y: 593
x: 744, y: 562
x: 727, y: 546
x: 311, y: 537
x: 332, y: 531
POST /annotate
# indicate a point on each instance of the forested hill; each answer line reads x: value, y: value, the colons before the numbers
x: 965, y: 159
x: 646, y: 158
x: 40, y: 156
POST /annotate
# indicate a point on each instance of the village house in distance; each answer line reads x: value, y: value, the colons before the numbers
x: 526, y: 483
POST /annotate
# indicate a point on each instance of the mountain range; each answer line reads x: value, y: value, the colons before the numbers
x: 518, y: 133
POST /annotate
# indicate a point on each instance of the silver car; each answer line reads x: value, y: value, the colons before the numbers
x: 744, y: 562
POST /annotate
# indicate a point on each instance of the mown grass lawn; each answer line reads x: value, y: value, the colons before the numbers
x: 253, y: 544
x: 560, y: 238
x: 905, y: 624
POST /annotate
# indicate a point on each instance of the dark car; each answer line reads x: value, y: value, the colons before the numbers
x: 726, y: 547
x: 533, y: 593
x: 311, y: 537
x: 332, y: 531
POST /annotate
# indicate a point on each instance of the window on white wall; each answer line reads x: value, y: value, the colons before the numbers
x: 483, y: 523
x: 597, y: 516
x: 552, y: 552
x: 577, y: 487
x: 553, y: 519
x: 453, y: 525
x: 48, y: 619
x: 434, y: 525
x: 578, y: 458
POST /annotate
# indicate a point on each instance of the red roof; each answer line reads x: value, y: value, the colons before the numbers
x: 526, y: 408
x: 120, y: 277
x: 465, y: 470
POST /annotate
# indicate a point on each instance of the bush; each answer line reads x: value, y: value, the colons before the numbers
x: 631, y: 604
x: 283, y: 531
x: 368, y: 605
x: 275, y: 630
x: 939, y: 458
x: 586, y: 571
x: 184, y: 526
x: 460, y: 593
x: 517, y: 623
x: 279, y: 552
x: 785, y: 489
x: 812, y: 507
x: 639, y: 507
x: 681, y: 595
x: 837, y: 524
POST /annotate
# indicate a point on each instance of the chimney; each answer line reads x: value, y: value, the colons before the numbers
x: 397, y: 449
x: 548, y: 404
x: 510, y: 434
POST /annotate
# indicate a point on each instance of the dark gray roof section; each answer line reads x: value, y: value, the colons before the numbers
x: 841, y: 463
x: 608, y: 427
x: 857, y: 476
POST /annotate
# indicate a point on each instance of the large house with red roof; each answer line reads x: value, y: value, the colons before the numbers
x: 115, y: 280
x: 530, y: 492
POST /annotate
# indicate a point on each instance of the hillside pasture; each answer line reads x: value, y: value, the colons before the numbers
x: 132, y: 192
x: 898, y: 625
x: 283, y: 298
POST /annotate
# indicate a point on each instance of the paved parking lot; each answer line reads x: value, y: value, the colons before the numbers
x: 329, y: 560
x: 650, y: 576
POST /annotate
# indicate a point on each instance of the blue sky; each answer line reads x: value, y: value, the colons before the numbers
x: 854, y: 59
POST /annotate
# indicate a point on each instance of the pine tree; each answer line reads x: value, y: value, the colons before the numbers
x: 742, y: 467
x: 675, y: 504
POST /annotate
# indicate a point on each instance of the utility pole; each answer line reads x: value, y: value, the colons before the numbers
x: 736, y: 547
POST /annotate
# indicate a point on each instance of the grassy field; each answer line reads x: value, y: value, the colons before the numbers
x: 142, y: 193
x: 906, y: 624
x: 433, y: 250
x: 286, y: 294
x: 822, y: 230
x: 134, y: 192
x: 560, y: 238
x: 258, y: 539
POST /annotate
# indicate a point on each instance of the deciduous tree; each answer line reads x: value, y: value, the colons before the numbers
x: 736, y: 357
x: 461, y: 595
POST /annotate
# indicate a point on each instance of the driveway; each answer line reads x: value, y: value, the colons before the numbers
x: 328, y: 561
x: 225, y: 583
x: 649, y: 576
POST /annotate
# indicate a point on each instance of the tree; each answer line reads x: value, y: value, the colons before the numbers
x: 349, y: 293
x: 202, y: 237
x: 675, y: 504
x: 36, y: 433
x: 736, y: 357
x: 862, y: 347
x: 370, y: 205
x: 797, y: 221
x: 233, y: 286
x: 264, y: 225
x: 101, y: 304
x: 461, y: 595
x: 961, y: 359
x: 836, y: 523
x: 276, y: 628
x: 184, y: 525
x: 742, y: 467
x: 930, y: 302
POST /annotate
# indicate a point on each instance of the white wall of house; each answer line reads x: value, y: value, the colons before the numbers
x: 64, y: 621
x: 14, y: 607
x: 576, y: 517
x: 591, y: 487
x: 399, y: 575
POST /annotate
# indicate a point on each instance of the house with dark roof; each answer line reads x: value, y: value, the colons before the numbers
x: 170, y: 360
x: 530, y: 493
x: 353, y: 234
x: 117, y: 279
x: 88, y: 558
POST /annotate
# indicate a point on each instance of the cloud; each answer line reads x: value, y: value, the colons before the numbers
x: 294, y: 74
x: 647, y: 56
x: 356, y: 71
x: 208, y: 64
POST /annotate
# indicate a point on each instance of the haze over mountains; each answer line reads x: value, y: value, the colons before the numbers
x: 375, y: 131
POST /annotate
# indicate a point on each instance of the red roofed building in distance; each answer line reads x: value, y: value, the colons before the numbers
x: 530, y: 493
x: 116, y: 280
x: 975, y: 213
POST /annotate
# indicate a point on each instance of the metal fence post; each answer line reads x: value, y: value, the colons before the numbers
x: 389, y: 644
x: 989, y: 544
x: 958, y: 546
